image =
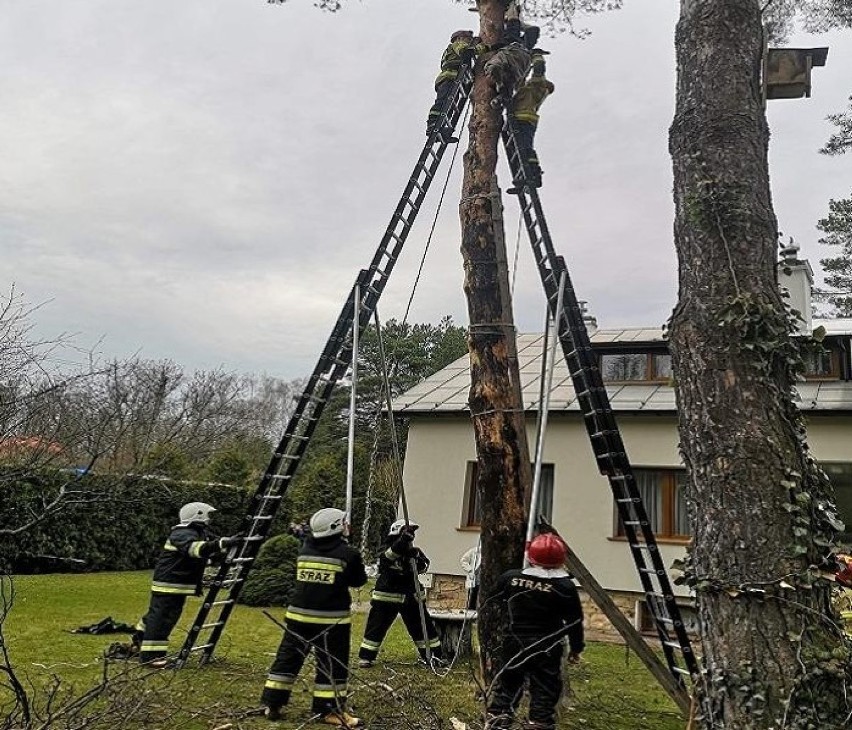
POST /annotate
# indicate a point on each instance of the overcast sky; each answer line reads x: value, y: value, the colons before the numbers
x: 201, y: 180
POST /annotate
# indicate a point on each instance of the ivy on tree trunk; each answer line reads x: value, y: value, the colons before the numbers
x: 762, y: 513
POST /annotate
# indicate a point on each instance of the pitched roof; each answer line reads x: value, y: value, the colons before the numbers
x: 447, y: 390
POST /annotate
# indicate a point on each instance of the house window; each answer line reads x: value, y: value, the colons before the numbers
x: 663, y: 494
x: 821, y: 363
x: 631, y: 367
x: 472, y: 516
x: 840, y: 474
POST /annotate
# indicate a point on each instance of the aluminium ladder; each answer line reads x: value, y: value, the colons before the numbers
x: 607, y: 445
x: 330, y: 368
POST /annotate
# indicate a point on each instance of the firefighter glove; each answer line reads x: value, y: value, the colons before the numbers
x: 228, y: 542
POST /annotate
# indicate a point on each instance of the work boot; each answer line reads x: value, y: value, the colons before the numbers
x: 365, y: 663
x: 273, y: 713
x: 448, y: 136
x: 341, y: 719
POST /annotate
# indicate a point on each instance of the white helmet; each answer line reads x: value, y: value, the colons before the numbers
x: 328, y: 521
x: 196, y: 512
x: 397, y: 526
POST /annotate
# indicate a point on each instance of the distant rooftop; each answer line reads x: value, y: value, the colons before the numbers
x: 447, y: 390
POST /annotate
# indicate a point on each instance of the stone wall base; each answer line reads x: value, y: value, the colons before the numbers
x: 448, y: 592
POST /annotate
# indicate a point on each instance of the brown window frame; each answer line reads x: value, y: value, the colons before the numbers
x: 668, y: 484
x: 651, y: 375
x: 834, y: 373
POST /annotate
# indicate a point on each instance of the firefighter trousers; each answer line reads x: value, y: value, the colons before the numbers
x: 525, y: 137
x: 442, y: 92
x: 543, y: 668
x: 330, y: 643
x: 152, y: 631
x: 382, y: 615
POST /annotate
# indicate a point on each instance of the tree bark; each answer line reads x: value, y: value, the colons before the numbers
x: 496, y: 408
x: 761, y: 511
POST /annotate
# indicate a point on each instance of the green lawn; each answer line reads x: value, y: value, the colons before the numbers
x: 611, y: 690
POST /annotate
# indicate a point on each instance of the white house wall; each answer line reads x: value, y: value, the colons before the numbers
x: 435, y: 471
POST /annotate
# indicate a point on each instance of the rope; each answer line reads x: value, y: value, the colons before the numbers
x: 368, y: 511
x: 371, y: 480
x: 434, y: 221
x: 515, y: 263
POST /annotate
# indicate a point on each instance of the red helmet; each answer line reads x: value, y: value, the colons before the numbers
x: 461, y: 34
x: 843, y: 574
x: 548, y: 551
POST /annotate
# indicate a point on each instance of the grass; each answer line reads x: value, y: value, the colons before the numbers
x: 611, y: 690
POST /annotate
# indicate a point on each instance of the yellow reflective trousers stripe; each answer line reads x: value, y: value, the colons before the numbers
x: 308, y: 619
x: 388, y: 597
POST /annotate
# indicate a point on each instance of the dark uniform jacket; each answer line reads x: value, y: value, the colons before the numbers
x: 325, y: 570
x: 542, y: 603
x: 180, y: 567
x: 396, y: 577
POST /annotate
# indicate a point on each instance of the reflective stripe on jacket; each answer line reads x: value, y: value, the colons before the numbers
x: 327, y: 567
x: 451, y: 60
x: 180, y: 566
x: 529, y: 98
x: 396, y: 576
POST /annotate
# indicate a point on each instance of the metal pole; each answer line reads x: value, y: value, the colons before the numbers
x: 403, y: 501
x: 544, y: 408
x: 350, y: 454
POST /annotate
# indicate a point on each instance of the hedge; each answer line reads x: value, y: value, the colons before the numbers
x: 121, y: 524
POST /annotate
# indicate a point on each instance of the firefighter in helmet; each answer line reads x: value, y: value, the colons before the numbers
x: 458, y: 53
x: 544, y: 607
x: 524, y: 113
x: 319, y: 618
x: 397, y: 594
x: 177, y: 574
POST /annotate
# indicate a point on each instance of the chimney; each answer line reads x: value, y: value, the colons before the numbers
x: 588, y: 318
x: 796, y: 277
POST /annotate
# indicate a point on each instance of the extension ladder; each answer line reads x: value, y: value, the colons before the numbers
x: 607, y: 445
x: 330, y: 368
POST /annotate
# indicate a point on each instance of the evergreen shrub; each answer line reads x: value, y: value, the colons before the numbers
x: 273, y: 575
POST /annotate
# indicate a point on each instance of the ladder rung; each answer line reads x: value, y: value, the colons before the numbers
x: 261, y: 518
x: 272, y: 496
x: 681, y: 670
x: 673, y: 645
x: 242, y: 560
x: 223, y: 602
x: 204, y: 627
x: 644, y: 546
x: 201, y: 647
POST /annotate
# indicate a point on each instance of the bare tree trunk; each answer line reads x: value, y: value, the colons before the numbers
x: 761, y: 511
x: 498, y: 419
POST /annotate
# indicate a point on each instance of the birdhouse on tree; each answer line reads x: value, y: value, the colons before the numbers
x: 787, y: 71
